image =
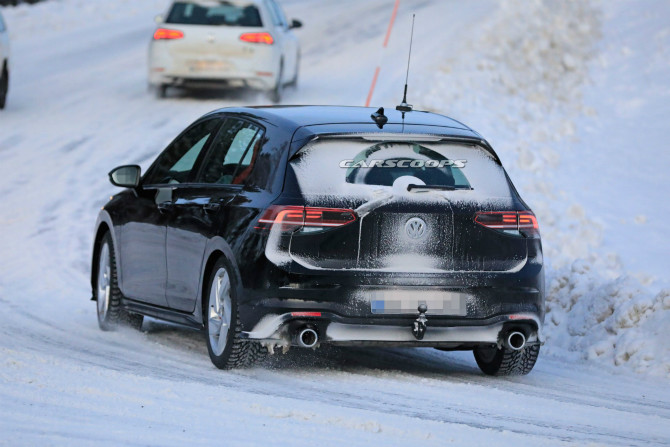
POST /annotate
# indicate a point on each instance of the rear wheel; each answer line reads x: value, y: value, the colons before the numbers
x: 505, y: 361
x: 294, y: 81
x: 276, y: 93
x: 222, y: 325
x: 4, y: 87
x: 107, y: 293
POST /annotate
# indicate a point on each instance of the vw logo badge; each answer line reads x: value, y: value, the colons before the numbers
x: 415, y: 228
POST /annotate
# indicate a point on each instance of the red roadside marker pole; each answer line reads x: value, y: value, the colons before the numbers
x: 386, y: 41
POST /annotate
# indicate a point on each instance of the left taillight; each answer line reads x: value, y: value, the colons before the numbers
x: 304, y: 218
x: 265, y: 38
x: 515, y: 222
x: 168, y: 34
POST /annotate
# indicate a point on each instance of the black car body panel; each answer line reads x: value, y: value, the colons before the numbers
x: 169, y: 232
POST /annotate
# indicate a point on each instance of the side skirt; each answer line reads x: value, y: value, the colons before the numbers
x: 162, y: 313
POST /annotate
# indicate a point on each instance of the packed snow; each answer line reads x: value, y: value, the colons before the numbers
x: 544, y: 96
x: 572, y: 94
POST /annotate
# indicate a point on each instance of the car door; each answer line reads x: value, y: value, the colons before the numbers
x: 143, y: 252
x: 200, y: 208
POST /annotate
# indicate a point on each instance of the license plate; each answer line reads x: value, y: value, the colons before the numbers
x: 209, y: 65
x: 396, y: 302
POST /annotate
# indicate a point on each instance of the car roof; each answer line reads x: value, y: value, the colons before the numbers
x: 296, y: 117
x: 211, y: 2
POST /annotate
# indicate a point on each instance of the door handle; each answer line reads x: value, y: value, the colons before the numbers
x: 211, y: 207
x: 164, y: 207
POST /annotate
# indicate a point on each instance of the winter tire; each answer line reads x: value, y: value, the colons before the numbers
x: 222, y: 325
x: 507, y: 362
x: 107, y: 293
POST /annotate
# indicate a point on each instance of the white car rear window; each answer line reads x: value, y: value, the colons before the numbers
x: 214, y: 13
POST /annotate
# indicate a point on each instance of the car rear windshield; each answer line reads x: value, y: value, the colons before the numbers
x: 214, y: 13
x: 362, y: 168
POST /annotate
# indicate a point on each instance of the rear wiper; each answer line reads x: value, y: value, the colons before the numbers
x: 437, y: 187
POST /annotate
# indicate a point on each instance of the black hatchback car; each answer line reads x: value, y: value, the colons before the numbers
x: 274, y: 227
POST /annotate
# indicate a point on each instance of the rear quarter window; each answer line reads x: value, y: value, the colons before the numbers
x: 215, y: 13
x: 361, y: 169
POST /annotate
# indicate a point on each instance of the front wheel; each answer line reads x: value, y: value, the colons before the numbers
x: 505, y: 361
x: 222, y: 325
x: 107, y: 293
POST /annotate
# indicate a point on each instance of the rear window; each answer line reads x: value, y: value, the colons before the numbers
x: 362, y: 169
x: 215, y: 13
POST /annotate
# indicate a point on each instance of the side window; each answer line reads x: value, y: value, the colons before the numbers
x: 233, y: 155
x: 175, y: 164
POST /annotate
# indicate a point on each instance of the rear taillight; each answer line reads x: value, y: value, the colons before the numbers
x: 265, y: 38
x: 168, y: 34
x: 304, y: 218
x: 528, y: 224
x: 513, y: 222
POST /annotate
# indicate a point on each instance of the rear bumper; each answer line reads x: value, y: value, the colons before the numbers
x: 234, y: 80
x: 490, y: 302
x: 258, y: 72
x: 280, y: 330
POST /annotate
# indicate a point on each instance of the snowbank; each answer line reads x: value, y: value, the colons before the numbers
x: 523, y: 88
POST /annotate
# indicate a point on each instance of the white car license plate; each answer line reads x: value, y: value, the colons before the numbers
x: 209, y: 65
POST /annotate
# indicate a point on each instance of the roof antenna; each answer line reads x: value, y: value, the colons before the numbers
x: 403, y: 106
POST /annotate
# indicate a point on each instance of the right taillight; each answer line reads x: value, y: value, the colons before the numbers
x: 290, y: 218
x: 265, y: 38
x: 511, y: 222
x: 168, y: 34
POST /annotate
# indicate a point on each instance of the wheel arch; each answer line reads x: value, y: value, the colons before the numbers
x: 216, y: 249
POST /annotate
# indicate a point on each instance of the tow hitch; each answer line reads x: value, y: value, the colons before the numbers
x: 420, y: 324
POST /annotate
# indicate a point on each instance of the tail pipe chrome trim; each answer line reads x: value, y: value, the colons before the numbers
x: 515, y: 340
x: 307, y: 338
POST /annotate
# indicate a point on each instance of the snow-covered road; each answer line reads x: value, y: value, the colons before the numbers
x: 78, y: 106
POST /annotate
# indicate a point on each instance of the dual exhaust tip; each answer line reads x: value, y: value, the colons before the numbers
x: 515, y: 341
x: 307, y: 338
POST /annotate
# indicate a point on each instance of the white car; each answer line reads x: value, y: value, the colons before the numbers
x: 4, y: 63
x: 217, y: 43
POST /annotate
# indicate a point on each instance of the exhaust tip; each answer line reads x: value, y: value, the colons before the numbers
x: 516, y: 341
x: 308, y: 338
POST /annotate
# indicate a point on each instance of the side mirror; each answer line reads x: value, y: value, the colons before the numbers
x: 126, y: 176
x: 158, y: 18
x: 295, y: 24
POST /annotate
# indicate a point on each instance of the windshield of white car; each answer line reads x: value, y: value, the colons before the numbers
x: 218, y: 14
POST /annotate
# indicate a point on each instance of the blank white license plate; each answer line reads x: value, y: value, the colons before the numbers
x: 407, y: 302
